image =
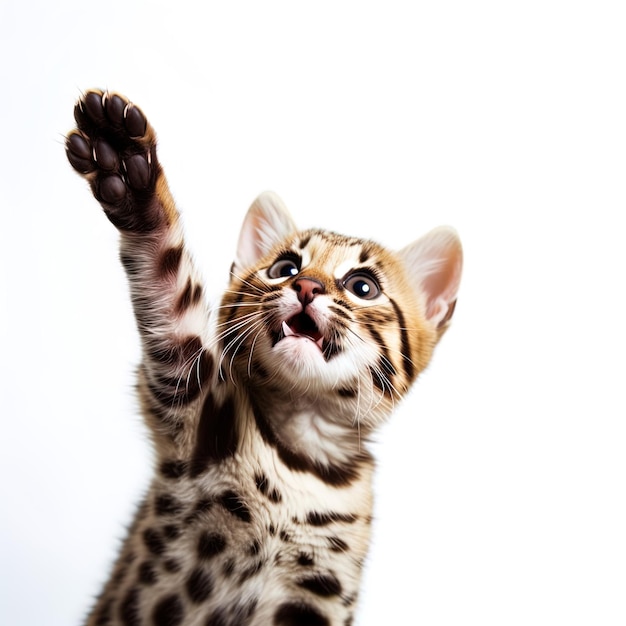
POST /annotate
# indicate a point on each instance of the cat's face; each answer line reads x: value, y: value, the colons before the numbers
x: 321, y: 310
x: 318, y: 313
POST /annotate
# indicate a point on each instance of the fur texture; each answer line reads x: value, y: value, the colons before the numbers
x: 260, y: 412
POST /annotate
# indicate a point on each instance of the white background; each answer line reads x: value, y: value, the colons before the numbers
x: 501, y: 485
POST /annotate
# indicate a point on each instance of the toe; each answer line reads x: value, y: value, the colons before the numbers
x: 136, y: 123
x: 112, y: 189
x: 94, y: 108
x: 105, y: 155
x: 138, y: 172
x: 79, y: 153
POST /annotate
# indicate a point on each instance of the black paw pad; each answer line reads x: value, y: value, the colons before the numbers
x: 138, y: 172
x: 114, y: 147
x: 105, y: 155
x: 79, y: 153
x: 112, y: 189
x: 136, y: 122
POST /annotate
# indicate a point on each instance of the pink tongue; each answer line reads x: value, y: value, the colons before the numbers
x: 294, y: 332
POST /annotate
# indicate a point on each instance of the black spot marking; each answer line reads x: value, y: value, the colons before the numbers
x: 254, y: 548
x: 344, y: 304
x: 305, y: 559
x: 166, y: 504
x: 188, y: 367
x: 210, y: 544
x: 261, y: 482
x: 173, y: 469
x: 199, y: 585
x: 203, y: 505
x: 263, y: 486
x: 304, y: 242
x: 170, y: 391
x: 316, y: 518
x: 299, y: 614
x: 147, y: 573
x: 153, y: 541
x: 129, y: 608
x: 380, y: 382
x: 169, y: 611
x: 407, y: 363
x: 172, y: 531
x: 219, y: 618
x: 385, y: 363
x: 216, y: 436
x: 381, y: 376
x: 190, y: 295
x: 285, y: 536
x: 175, y: 352
x: 333, y: 346
x: 235, y: 505
x: 339, y: 475
x: 170, y: 261
x: 324, y: 585
x: 347, y: 392
x: 171, y: 565
x: 337, y: 544
x: 131, y: 264
x: 364, y: 256
x: 340, y: 312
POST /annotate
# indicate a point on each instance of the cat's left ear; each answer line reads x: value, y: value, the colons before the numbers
x: 267, y: 222
x: 433, y: 265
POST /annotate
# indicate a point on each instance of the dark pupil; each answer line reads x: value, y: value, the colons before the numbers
x: 288, y: 269
x: 361, y: 288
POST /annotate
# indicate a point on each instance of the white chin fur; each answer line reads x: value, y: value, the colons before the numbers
x: 296, y: 356
x: 299, y: 362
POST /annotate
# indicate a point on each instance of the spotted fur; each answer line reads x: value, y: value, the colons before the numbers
x: 260, y: 508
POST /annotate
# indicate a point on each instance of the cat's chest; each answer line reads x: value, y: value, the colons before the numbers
x: 246, y: 529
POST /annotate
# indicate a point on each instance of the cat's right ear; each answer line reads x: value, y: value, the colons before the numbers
x: 434, y: 264
x: 267, y: 222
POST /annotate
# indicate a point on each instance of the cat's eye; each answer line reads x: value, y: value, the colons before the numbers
x: 363, y: 285
x: 285, y: 267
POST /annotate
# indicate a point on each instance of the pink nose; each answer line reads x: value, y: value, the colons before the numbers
x: 307, y: 289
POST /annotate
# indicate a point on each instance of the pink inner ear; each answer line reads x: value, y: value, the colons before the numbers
x: 434, y: 264
x: 441, y: 287
x: 266, y: 223
x: 249, y: 246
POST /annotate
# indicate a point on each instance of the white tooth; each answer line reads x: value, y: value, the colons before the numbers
x: 319, y: 343
x: 288, y: 332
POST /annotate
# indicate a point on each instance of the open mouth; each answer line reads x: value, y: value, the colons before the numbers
x: 301, y: 325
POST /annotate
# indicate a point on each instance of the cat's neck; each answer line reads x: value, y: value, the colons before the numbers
x: 308, y: 430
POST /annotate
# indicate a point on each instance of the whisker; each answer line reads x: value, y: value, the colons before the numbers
x: 249, y: 284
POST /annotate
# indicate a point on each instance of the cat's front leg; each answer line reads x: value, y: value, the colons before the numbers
x: 114, y: 149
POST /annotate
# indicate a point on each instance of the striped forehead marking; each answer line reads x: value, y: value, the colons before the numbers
x: 349, y: 264
x: 338, y: 253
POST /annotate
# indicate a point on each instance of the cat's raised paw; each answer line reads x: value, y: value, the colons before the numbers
x: 114, y: 148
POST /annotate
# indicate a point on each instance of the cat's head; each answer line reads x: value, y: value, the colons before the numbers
x: 319, y: 315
